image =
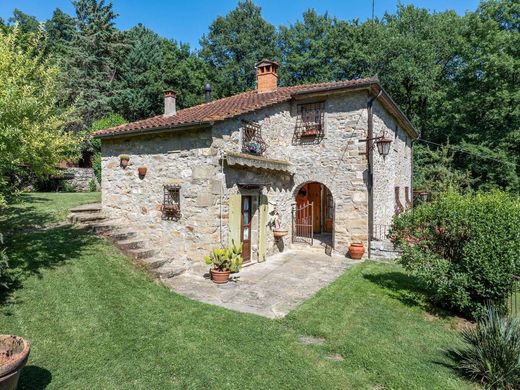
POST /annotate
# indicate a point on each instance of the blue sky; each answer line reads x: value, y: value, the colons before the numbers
x: 186, y: 21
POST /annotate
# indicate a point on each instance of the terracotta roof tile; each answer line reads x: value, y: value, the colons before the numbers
x: 229, y: 107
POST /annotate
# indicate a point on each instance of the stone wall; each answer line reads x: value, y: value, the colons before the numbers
x: 394, y: 170
x: 193, y: 160
x: 80, y: 178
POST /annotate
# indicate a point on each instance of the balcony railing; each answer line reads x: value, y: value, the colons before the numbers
x: 252, y: 141
x: 310, y: 123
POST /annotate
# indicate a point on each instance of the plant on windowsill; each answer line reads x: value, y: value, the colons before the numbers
x: 310, y: 132
x: 254, y: 147
x: 223, y: 261
x: 124, y: 159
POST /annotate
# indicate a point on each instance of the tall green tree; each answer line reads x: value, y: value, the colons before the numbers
x: 140, y: 75
x: 234, y: 44
x: 61, y: 33
x: 32, y: 130
x: 92, y: 68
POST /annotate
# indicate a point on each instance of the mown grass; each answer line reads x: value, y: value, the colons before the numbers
x: 96, y: 321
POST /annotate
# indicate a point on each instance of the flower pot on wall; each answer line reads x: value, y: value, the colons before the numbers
x: 279, y: 233
x: 219, y: 277
x: 142, y: 171
x: 124, y: 163
x: 14, y: 352
x: 356, y: 250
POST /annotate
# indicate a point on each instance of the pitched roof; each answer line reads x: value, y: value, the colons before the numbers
x: 230, y: 107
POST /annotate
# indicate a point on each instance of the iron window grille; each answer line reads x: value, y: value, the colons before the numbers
x: 310, y: 122
x: 171, y: 208
x: 252, y: 141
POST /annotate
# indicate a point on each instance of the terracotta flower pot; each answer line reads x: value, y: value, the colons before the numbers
x: 279, y: 233
x: 356, y: 250
x: 14, y: 352
x: 219, y: 277
x: 142, y: 171
x: 124, y: 163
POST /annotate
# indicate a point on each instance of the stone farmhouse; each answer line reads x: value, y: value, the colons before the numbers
x: 329, y: 163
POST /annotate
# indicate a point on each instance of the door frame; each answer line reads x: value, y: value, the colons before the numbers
x: 249, y: 225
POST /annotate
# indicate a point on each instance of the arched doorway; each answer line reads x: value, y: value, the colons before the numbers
x: 313, y: 214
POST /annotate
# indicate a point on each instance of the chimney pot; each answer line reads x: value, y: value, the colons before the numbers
x: 170, y: 98
x: 266, y: 75
x: 207, y: 92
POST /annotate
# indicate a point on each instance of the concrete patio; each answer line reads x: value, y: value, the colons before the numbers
x: 270, y: 289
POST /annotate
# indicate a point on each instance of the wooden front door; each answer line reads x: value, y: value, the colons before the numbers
x: 314, y: 196
x: 245, y: 229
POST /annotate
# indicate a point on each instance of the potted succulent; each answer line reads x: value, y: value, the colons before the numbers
x: 14, y: 352
x: 142, y: 171
x: 356, y: 250
x: 124, y: 159
x: 223, y: 261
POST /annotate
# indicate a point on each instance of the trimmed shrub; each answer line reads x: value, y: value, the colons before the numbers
x: 492, y: 352
x: 465, y: 248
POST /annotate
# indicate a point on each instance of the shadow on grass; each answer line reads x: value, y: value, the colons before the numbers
x: 407, y: 289
x: 34, y: 378
x: 31, y: 252
x: 23, y: 215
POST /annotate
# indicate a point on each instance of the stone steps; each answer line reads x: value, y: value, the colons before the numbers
x: 127, y: 239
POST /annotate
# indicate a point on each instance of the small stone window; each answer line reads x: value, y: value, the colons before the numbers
x: 252, y: 141
x: 171, y: 207
x: 398, y: 205
x: 407, y: 199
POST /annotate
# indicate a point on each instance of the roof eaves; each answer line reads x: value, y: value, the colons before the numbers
x: 154, y: 130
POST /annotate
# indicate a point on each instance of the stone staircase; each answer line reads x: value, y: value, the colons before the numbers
x: 127, y: 239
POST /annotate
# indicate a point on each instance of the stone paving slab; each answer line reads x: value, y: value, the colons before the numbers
x: 270, y: 289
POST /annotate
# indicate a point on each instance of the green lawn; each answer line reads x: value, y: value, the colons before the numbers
x: 96, y: 321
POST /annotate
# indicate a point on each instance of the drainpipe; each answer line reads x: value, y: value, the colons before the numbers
x: 221, y: 152
x: 370, y: 179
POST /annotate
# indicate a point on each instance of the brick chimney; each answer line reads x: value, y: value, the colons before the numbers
x: 266, y: 76
x: 169, y: 103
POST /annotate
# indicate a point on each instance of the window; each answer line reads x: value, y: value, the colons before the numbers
x: 252, y: 141
x: 398, y: 205
x: 407, y: 200
x: 171, y: 208
x: 310, y: 122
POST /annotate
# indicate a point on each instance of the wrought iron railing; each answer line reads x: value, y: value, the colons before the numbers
x: 380, y: 232
x: 310, y: 126
x: 252, y: 141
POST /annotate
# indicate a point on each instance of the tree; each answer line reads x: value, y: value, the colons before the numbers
x: 184, y: 72
x: 306, y: 50
x: 61, y: 32
x: 141, y: 78
x: 234, y: 44
x: 26, y: 23
x: 31, y: 120
x: 91, y: 70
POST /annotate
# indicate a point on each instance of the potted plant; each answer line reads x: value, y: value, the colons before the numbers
x: 14, y: 352
x: 310, y: 132
x: 356, y: 250
x: 142, y: 171
x: 223, y: 261
x: 124, y: 159
x: 276, y: 223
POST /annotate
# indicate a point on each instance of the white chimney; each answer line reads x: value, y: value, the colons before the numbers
x: 169, y: 103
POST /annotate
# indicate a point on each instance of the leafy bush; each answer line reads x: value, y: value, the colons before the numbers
x: 465, y: 248
x: 92, y: 185
x: 492, y: 352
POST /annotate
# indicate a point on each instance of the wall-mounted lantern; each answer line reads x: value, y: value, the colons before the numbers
x: 383, y: 145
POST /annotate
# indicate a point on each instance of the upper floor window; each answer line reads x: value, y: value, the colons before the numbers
x: 310, y: 122
x: 252, y: 141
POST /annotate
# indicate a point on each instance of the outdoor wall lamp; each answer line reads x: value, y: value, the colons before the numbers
x: 382, y: 143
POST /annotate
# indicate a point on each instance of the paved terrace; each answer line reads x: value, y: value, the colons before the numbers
x: 270, y: 289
